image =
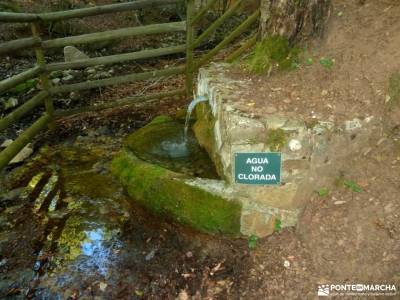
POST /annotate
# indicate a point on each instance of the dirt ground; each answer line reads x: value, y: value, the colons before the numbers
x: 345, y: 236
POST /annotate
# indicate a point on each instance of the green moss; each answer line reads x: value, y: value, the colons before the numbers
x: 276, y: 139
x: 165, y: 193
x: 160, y: 119
x: 270, y: 52
x: 394, y: 89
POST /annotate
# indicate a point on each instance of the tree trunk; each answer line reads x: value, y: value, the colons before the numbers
x: 295, y: 19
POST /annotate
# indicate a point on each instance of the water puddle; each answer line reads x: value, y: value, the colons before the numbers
x: 73, y: 233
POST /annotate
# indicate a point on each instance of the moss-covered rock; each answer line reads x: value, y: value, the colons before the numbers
x: 165, y: 192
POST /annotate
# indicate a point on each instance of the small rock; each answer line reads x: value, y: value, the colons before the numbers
x: 339, y: 202
x: 295, y: 145
x: 353, y: 124
x: 22, y: 155
x: 3, y: 262
x: 324, y: 92
x: 67, y: 77
x: 90, y: 70
x: 10, y: 103
x: 183, y: 295
x: 72, y: 54
x: 189, y: 254
x: 286, y: 264
x: 102, y: 286
x: 74, y: 96
x: 150, y: 255
x: 6, y: 143
x: 56, y: 81
x: 99, y: 167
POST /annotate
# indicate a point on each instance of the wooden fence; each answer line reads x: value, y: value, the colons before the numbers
x: 43, y: 69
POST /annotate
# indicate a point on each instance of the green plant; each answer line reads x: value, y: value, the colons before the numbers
x: 273, y: 51
x: 309, y: 61
x: 25, y: 86
x: 327, y: 62
x: 352, y: 185
x: 276, y: 139
x: 323, y: 192
x: 340, y: 181
x: 278, y: 225
x: 394, y: 88
x: 252, y: 241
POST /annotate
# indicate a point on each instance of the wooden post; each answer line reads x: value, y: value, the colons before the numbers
x: 22, y: 140
x: 44, y: 79
x: 24, y: 109
x: 233, y: 35
x: 248, y: 44
x: 189, y: 47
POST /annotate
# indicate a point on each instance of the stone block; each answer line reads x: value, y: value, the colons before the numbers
x: 280, y: 196
x: 257, y: 223
x: 243, y: 129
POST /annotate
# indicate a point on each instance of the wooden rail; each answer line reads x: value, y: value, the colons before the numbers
x: 24, y: 109
x: 217, y: 23
x: 116, y: 80
x: 234, y: 34
x: 22, y: 140
x: 83, y: 12
x: 203, y: 11
x: 18, y: 45
x: 248, y: 44
x: 13, y: 81
x: 42, y: 68
x: 118, y: 58
x: 114, y: 34
x: 119, y: 103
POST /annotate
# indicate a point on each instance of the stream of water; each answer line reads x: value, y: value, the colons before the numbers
x: 190, y: 109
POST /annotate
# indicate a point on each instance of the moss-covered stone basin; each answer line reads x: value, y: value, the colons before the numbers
x: 156, y: 169
x: 162, y: 142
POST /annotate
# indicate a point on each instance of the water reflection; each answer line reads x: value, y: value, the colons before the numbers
x: 89, y: 246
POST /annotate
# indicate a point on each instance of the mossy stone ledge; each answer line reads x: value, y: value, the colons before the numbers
x: 165, y: 193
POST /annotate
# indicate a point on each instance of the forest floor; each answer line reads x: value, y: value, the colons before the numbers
x: 344, y: 236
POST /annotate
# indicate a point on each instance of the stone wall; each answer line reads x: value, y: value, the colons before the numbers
x: 311, y: 153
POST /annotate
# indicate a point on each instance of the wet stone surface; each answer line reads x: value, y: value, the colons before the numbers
x: 73, y: 233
